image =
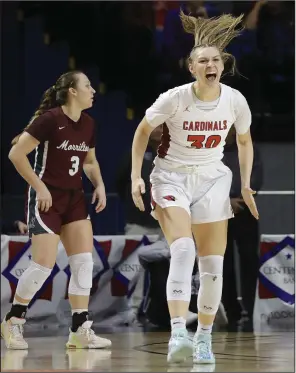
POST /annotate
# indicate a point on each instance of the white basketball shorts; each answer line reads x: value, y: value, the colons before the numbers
x: 203, y: 191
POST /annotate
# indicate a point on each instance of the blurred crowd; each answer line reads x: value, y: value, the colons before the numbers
x: 141, y: 46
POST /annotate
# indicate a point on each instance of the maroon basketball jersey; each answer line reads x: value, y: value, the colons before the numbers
x: 63, y: 147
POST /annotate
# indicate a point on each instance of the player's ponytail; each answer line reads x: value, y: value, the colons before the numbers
x: 48, y: 102
x: 213, y: 32
x: 57, y: 95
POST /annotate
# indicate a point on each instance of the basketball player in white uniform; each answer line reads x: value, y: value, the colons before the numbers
x: 190, y: 185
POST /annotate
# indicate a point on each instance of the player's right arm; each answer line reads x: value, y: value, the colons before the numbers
x: 162, y: 109
x: 18, y: 156
x: 38, y: 131
x: 139, y: 146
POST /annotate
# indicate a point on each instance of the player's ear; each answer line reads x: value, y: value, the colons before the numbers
x: 73, y: 91
x: 190, y: 67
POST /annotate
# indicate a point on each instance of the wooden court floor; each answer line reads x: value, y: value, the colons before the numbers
x: 146, y: 352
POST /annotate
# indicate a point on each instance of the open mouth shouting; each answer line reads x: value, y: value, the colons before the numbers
x: 211, y: 76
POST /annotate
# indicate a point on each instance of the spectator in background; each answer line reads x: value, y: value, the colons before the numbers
x: 245, y: 49
x: 16, y: 227
x: 160, y: 10
x: 137, y: 54
x: 276, y: 40
x: 138, y: 222
x: 243, y: 230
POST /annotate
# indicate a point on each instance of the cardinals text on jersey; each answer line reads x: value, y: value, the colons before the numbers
x: 192, y: 136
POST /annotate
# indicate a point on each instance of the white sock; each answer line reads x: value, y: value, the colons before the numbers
x: 204, y: 329
x: 79, y: 310
x: 22, y: 304
x: 178, y: 323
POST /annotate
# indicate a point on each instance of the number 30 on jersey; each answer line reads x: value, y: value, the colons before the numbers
x: 200, y: 141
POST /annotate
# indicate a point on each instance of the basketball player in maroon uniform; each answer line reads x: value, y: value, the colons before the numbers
x: 64, y: 141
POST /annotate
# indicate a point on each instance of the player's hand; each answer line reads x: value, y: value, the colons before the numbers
x: 44, y: 199
x: 247, y: 194
x: 100, y: 195
x: 138, y: 188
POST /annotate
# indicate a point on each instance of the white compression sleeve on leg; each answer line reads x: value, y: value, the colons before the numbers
x: 211, y: 281
x: 81, y: 274
x: 181, y: 267
x: 32, y: 280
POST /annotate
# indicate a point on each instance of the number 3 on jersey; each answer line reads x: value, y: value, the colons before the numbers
x: 75, y: 165
x: 198, y: 141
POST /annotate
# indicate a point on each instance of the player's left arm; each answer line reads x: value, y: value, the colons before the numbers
x: 92, y: 170
x: 245, y: 151
x: 246, y: 157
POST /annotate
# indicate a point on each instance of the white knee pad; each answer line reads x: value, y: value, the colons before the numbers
x: 32, y: 280
x: 210, y: 290
x: 81, y: 274
x: 180, y: 276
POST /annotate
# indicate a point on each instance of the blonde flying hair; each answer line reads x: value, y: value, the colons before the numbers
x: 213, y: 32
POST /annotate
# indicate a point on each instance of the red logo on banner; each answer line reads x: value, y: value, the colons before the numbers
x: 264, y: 292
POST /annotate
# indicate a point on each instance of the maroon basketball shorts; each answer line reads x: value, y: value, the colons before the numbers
x: 67, y: 206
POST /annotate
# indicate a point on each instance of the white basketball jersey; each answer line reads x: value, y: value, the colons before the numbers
x: 192, y: 136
